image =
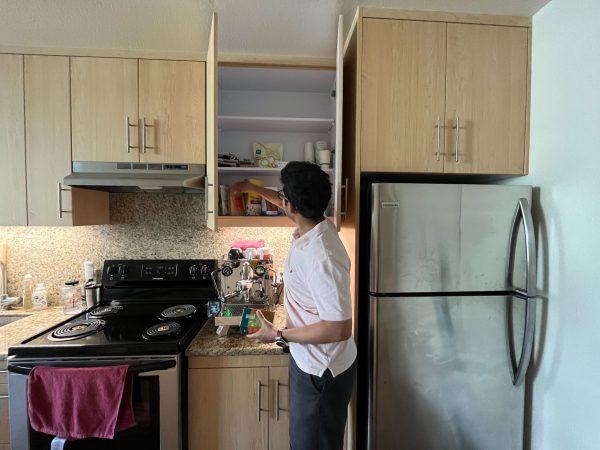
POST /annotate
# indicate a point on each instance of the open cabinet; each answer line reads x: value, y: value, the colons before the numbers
x: 250, y: 106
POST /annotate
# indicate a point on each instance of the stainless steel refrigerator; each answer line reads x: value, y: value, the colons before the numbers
x: 451, y: 315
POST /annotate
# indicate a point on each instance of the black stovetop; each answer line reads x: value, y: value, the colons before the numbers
x: 137, y: 303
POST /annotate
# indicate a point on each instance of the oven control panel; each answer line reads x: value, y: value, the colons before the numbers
x: 157, y: 270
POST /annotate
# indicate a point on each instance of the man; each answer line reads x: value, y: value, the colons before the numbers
x: 318, y: 309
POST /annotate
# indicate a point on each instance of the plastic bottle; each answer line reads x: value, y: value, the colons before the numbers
x: 88, y: 271
x: 71, y: 297
x: 40, y: 297
x: 27, y: 291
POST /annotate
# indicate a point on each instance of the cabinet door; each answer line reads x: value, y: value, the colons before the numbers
x: 13, y: 197
x: 486, y: 91
x: 279, y: 410
x: 403, y: 75
x: 104, y: 96
x: 228, y: 408
x: 172, y: 109
x: 212, y: 133
x: 48, y: 131
x: 339, y: 119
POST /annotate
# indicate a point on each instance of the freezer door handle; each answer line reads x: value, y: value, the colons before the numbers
x: 523, y: 213
x: 374, y: 282
x: 519, y: 370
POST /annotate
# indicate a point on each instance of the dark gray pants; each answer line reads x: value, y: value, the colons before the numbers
x: 318, y: 408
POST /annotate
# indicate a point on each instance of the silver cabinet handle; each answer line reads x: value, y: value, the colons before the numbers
x: 437, y: 150
x: 344, y: 187
x: 259, y: 385
x: 277, y: 400
x: 128, y: 125
x: 2, y: 397
x: 206, y: 197
x: 456, y: 143
x: 60, y: 207
x: 144, y: 126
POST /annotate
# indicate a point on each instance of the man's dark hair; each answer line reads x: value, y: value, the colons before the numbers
x: 307, y: 187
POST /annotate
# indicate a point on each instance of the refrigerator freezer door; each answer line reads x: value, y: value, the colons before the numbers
x: 433, y: 238
x: 414, y: 240
x: 440, y: 373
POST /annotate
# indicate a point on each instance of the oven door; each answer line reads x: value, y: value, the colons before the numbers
x: 156, y: 404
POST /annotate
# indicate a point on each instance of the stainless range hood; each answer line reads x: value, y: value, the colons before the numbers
x: 137, y: 177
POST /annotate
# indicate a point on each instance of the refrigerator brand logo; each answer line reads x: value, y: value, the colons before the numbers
x: 390, y: 204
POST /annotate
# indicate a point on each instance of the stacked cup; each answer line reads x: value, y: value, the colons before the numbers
x: 323, y: 155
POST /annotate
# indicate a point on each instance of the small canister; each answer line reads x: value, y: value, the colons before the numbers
x: 93, y: 294
x: 71, y: 297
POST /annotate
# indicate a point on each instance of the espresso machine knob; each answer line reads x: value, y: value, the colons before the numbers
x: 226, y: 270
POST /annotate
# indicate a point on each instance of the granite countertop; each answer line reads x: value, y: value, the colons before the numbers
x: 33, y: 322
x: 207, y: 343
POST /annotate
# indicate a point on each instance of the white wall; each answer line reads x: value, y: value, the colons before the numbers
x: 565, y: 164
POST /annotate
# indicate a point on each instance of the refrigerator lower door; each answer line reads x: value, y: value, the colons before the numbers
x: 440, y: 373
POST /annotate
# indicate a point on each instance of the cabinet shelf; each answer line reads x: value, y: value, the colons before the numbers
x: 255, y: 171
x: 289, y: 124
x: 255, y: 221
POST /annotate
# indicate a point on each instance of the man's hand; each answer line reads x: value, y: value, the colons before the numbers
x: 242, y: 187
x: 267, y: 332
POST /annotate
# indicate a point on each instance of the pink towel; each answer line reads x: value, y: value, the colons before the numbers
x: 78, y: 403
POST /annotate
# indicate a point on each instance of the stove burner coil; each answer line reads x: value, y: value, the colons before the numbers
x: 104, y: 311
x: 76, y: 330
x: 162, y: 330
x: 178, y: 312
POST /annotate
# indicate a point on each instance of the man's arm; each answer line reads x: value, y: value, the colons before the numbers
x: 322, y: 332
x: 245, y: 186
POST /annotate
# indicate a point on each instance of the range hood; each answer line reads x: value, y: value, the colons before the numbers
x: 137, y: 177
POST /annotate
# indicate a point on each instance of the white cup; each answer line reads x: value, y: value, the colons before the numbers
x: 324, y: 158
x: 321, y: 145
x: 309, y: 152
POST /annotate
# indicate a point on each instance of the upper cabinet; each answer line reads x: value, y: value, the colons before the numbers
x: 35, y: 146
x: 129, y: 110
x: 443, y: 97
x: 13, y: 203
x: 277, y: 110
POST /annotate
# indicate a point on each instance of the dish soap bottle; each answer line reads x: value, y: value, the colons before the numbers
x: 40, y: 297
x: 27, y: 291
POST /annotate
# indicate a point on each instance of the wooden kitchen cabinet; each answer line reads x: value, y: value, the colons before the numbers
x: 419, y: 78
x: 35, y: 146
x: 238, y: 402
x: 48, y: 152
x: 259, y: 102
x: 13, y: 194
x: 115, y: 99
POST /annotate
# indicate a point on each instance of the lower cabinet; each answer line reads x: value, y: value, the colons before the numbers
x: 4, y: 430
x: 238, y: 402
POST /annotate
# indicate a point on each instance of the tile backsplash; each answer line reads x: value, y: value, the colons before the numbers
x: 145, y: 225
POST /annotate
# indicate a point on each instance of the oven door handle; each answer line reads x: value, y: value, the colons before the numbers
x: 133, y: 368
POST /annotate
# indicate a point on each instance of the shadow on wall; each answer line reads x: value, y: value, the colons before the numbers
x: 541, y: 232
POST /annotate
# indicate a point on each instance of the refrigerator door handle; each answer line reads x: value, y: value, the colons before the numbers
x: 518, y: 371
x: 523, y: 213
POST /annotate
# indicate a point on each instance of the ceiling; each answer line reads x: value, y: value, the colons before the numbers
x: 181, y: 27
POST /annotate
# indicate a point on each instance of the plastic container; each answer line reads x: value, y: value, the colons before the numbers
x: 88, y: 271
x: 27, y: 291
x: 71, y: 297
x: 40, y: 297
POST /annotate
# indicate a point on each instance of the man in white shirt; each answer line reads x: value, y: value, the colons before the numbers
x: 318, y: 309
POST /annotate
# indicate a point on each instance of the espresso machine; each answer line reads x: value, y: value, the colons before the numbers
x: 241, y: 283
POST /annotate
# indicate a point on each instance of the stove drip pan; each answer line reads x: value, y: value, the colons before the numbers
x: 104, y: 311
x: 76, y: 330
x: 178, y: 312
x: 162, y: 330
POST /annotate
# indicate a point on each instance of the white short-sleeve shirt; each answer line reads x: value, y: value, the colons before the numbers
x: 317, y: 287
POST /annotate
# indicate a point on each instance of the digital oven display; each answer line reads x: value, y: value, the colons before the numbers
x: 159, y: 271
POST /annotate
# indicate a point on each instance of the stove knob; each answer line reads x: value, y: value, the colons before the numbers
x: 123, y: 270
x: 193, y: 270
x: 204, y: 269
x: 112, y: 270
